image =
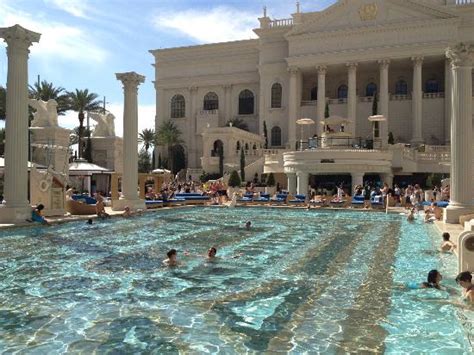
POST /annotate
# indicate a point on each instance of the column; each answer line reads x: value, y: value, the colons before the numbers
x: 357, y: 179
x: 462, y: 59
x: 291, y: 183
x: 388, y: 179
x: 17, y: 207
x: 447, y: 101
x: 321, y: 104
x: 417, y: 101
x: 384, y: 99
x: 352, y: 95
x: 227, y: 103
x: 162, y: 105
x: 302, y: 182
x: 130, y: 82
x: 191, y: 143
x: 293, y: 105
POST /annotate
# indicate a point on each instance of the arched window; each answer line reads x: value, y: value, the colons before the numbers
x: 246, y: 102
x: 276, y: 95
x: 237, y: 147
x: 401, y: 87
x: 218, y: 147
x: 342, y: 92
x: 178, y: 106
x: 211, y: 101
x: 431, y: 86
x: 371, y: 89
x: 276, y: 136
x: 246, y: 146
x: 314, y: 94
x: 254, y: 147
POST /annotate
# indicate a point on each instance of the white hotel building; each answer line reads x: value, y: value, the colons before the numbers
x: 340, y: 56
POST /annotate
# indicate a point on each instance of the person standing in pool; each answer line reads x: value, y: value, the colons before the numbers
x: 172, y: 258
x: 447, y: 245
x: 433, y: 280
x: 248, y: 224
x: 464, y: 279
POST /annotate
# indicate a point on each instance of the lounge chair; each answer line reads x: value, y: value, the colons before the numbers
x: 298, y: 199
x: 338, y: 202
x: 318, y: 200
x: 279, y: 199
x: 263, y: 199
x: 358, y: 201
x: 153, y: 203
x: 377, y: 201
x: 193, y: 198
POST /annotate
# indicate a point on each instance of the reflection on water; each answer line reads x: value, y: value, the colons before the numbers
x: 302, y: 281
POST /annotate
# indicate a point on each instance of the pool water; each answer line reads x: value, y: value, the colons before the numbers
x: 297, y: 281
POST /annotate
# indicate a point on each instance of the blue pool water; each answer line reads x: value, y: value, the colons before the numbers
x: 298, y: 281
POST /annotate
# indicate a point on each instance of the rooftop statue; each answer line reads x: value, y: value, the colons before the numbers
x: 105, y: 124
x: 46, y: 114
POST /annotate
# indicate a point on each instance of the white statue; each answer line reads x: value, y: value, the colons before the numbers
x: 46, y: 114
x: 105, y: 124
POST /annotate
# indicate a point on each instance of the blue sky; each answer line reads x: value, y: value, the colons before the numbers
x: 85, y: 42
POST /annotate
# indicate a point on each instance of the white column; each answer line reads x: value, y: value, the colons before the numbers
x: 293, y: 105
x: 15, y: 188
x: 321, y: 104
x: 191, y: 143
x: 447, y: 101
x: 130, y: 198
x: 384, y: 99
x: 357, y: 179
x: 417, y: 101
x: 462, y: 187
x: 352, y: 95
x: 291, y: 183
x: 302, y: 182
x: 227, y: 104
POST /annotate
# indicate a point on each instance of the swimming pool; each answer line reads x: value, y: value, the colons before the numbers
x: 296, y: 281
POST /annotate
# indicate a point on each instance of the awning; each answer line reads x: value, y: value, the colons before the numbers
x: 83, y: 167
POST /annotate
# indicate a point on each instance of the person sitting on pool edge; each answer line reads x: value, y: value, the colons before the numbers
x: 464, y: 279
x: 36, y: 215
x: 172, y: 258
x: 446, y: 244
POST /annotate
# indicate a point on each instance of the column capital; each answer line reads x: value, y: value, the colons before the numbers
x: 293, y: 70
x: 227, y: 86
x: 384, y: 63
x: 417, y: 60
x: 193, y: 88
x: 352, y: 65
x: 130, y: 79
x: 461, y: 55
x: 18, y: 37
x: 322, y: 69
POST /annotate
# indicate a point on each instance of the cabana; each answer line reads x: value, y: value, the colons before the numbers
x: 82, y: 174
x: 335, y: 133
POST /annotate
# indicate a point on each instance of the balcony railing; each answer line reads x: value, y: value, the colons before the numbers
x: 335, y: 142
x: 286, y: 22
x: 433, y: 95
x: 464, y: 2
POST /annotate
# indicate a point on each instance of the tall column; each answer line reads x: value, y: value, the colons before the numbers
x: 293, y: 105
x: 357, y: 179
x: 227, y: 103
x: 15, y: 188
x: 462, y: 187
x: 302, y: 182
x: 352, y: 95
x: 161, y: 108
x: 291, y: 183
x: 384, y: 99
x: 130, y: 82
x: 193, y: 108
x: 447, y: 101
x: 417, y: 101
x: 321, y: 104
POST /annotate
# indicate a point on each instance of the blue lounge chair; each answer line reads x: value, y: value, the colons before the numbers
x: 358, y: 201
x: 298, y: 199
x: 377, y: 201
x: 193, y: 198
x: 153, y: 203
x: 279, y: 199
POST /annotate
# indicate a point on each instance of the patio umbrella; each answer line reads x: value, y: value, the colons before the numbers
x: 161, y: 171
x: 303, y: 122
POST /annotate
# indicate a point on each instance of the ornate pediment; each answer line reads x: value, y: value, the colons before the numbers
x: 362, y: 13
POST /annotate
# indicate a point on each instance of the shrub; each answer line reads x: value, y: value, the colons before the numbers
x: 234, y: 180
x: 271, y: 180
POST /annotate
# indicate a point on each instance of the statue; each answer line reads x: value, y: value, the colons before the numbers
x: 105, y: 124
x: 46, y: 114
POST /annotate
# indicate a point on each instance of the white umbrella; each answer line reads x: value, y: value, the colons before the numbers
x: 303, y: 122
x: 161, y: 171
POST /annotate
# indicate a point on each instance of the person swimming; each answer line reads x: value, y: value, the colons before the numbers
x: 248, y: 225
x: 411, y: 215
x: 446, y: 244
x: 433, y: 280
x: 211, y: 253
x: 172, y: 258
x: 464, y: 279
x: 89, y: 221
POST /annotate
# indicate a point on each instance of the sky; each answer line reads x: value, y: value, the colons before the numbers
x: 85, y: 42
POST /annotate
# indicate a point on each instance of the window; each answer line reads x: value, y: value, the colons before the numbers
x: 211, y: 101
x: 371, y: 89
x: 276, y: 95
x: 401, y: 87
x: 314, y: 94
x: 276, y: 136
x: 342, y: 92
x: 432, y: 86
x: 246, y: 102
x: 178, y: 106
x: 237, y: 147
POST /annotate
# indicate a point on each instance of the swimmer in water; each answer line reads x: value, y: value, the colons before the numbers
x: 172, y: 258
x: 464, y: 279
x: 211, y: 253
x: 411, y: 216
x: 89, y: 221
x: 248, y: 224
x: 447, y: 245
x: 127, y: 212
x: 433, y: 280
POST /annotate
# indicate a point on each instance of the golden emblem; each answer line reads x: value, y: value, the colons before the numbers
x: 368, y: 12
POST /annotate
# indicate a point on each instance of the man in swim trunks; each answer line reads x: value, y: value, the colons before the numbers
x: 172, y: 258
x: 211, y: 253
x: 464, y: 279
x: 447, y: 245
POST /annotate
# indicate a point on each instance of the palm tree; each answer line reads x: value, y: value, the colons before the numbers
x: 3, y: 102
x: 74, y: 136
x: 81, y: 101
x: 147, y: 137
x: 170, y: 136
x: 46, y: 91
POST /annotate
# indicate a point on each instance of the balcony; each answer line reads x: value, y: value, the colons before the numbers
x: 286, y: 22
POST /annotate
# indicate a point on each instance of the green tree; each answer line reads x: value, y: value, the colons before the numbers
x: 82, y: 101
x: 238, y: 123
x: 147, y: 138
x: 265, y: 134
x: 234, y: 179
x: 326, y: 110
x: 271, y: 180
x: 144, y: 161
x: 242, y: 164
x: 169, y: 135
x: 3, y: 103
x: 374, y: 104
x: 74, y: 136
x: 46, y: 91
x: 221, y: 160
x: 391, y: 140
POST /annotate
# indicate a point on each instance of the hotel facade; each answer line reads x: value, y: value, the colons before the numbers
x: 335, y: 60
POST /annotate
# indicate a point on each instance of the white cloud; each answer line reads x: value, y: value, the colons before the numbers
x: 219, y: 24
x: 57, y: 39
x: 76, y: 8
